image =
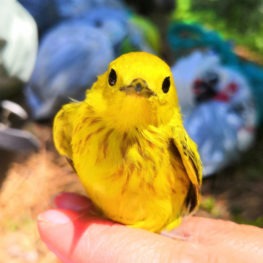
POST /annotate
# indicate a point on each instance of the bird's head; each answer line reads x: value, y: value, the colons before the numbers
x: 136, y: 90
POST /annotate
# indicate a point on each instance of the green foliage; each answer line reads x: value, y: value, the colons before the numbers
x: 256, y: 222
x: 208, y: 204
x: 235, y: 20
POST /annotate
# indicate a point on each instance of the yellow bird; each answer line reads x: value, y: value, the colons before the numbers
x: 127, y: 144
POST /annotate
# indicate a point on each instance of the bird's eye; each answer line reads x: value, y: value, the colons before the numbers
x: 166, y: 84
x: 112, y: 77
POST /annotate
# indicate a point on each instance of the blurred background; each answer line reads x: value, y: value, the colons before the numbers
x: 52, y: 50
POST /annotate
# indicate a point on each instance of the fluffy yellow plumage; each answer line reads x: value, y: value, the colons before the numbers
x: 127, y: 143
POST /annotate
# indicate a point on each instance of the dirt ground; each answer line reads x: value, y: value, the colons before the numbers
x: 29, y: 182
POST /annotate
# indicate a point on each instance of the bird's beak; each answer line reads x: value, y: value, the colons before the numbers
x: 138, y: 87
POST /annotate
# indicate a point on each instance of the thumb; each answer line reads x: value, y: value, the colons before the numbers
x: 75, y: 237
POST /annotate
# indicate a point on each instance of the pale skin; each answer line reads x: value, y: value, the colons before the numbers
x: 76, y: 236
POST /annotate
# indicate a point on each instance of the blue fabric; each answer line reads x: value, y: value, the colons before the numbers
x: 48, y: 13
x: 112, y: 22
x: 43, y: 11
x: 184, y: 37
x: 70, y: 57
x: 124, y: 35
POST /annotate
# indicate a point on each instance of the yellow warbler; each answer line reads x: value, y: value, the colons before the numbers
x: 127, y: 143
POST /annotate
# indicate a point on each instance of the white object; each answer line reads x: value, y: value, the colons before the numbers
x: 18, y: 29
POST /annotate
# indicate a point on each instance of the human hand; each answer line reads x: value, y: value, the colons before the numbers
x: 77, y: 236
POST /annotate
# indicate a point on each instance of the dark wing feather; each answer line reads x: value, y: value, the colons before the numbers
x: 183, y: 146
x: 62, y: 128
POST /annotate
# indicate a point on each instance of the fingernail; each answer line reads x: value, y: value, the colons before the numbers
x: 53, y: 217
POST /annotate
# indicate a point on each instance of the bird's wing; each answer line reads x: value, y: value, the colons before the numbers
x: 183, y: 147
x: 62, y: 128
